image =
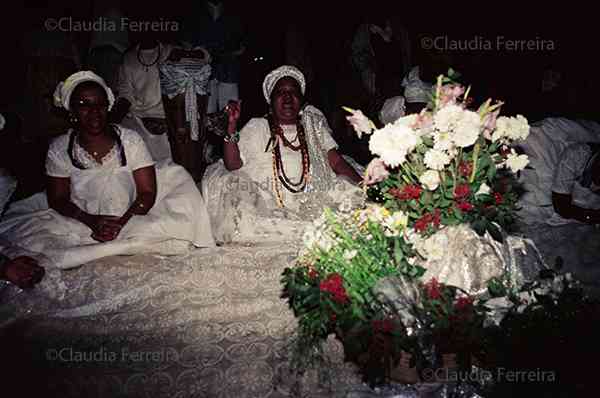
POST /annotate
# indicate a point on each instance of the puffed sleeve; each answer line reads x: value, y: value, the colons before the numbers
x: 136, y: 150
x: 253, y: 140
x: 570, y: 167
x: 57, y: 160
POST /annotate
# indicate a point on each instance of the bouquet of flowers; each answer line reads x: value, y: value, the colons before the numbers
x: 448, y: 164
x: 445, y: 166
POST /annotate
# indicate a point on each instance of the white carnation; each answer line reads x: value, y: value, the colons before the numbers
x: 516, y: 162
x: 393, y: 142
x: 467, y: 129
x: 502, y: 128
x: 442, y: 141
x: 436, y: 160
x: 447, y: 118
x: 430, y: 179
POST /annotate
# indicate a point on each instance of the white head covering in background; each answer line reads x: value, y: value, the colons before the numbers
x: 415, y: 89
x: 393, y: 109
x: 283, y: 71
x: 62, y: 94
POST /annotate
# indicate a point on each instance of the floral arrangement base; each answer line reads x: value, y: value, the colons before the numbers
x: 403, y: 372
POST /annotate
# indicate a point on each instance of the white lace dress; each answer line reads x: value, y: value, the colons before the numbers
x: 242, y: 204
x: 177, y: 221
x: 210, y: 323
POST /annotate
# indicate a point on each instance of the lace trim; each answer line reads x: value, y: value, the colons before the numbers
x: 88, y: 161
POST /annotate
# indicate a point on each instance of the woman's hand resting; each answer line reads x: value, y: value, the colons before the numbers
x: 105, y: 228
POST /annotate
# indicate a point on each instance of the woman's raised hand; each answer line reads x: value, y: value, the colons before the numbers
x: 233, y: 109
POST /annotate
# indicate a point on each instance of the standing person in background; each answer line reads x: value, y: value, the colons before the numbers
x: 221, y: 33
x: 107, y: 46
x: 139, y: 105
x: 217, y: 30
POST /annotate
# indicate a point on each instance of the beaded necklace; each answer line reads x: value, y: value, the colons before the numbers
x: 279, y: 175
x: 145, y: 64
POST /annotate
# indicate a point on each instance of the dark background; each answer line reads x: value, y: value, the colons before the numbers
x: 512, y: 76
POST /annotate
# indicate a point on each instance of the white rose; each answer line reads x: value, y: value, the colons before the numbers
x: 430, y: 179
x: 484, y: 189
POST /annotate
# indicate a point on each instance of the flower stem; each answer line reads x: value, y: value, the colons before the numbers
x: 475, y: 157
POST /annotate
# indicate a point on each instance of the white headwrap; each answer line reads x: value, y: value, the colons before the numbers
x: 62, y: 94
x: 415, y: 89
x: 392, y: 110
x: 283, y: 71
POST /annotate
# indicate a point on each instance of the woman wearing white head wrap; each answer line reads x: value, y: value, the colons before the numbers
x: 279, y: 171
x: 417, y: 93
x: 105, y: 195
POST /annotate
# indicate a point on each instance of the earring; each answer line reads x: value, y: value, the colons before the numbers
x: 73, y: 119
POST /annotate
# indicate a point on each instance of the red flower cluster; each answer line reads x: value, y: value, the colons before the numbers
x: 412, y: 191
x: 384, y: 326
x: 465, y: 206
x: 428, y: 219
x: 334, y: 284
x: 433, y: 289
x: 462, y: 191
x: 498, y: 198
x: 465, y: 169
x: 464, y: 303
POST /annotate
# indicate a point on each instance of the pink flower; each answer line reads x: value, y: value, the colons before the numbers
x: 359, y: 122
x: 376, y: 172
x: 449, y: 94
x: 423, y: 121
x: 489, y: 124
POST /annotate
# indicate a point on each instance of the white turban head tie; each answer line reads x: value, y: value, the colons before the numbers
x: 415, y: 89
x: 62, y: 94
x: 393, y: 109
x: 279, y: 73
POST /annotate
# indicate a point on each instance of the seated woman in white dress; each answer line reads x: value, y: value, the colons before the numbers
x: 105, y: 196
x: 576, y: 184
x: 279, y: 171
x: 560, y: 204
